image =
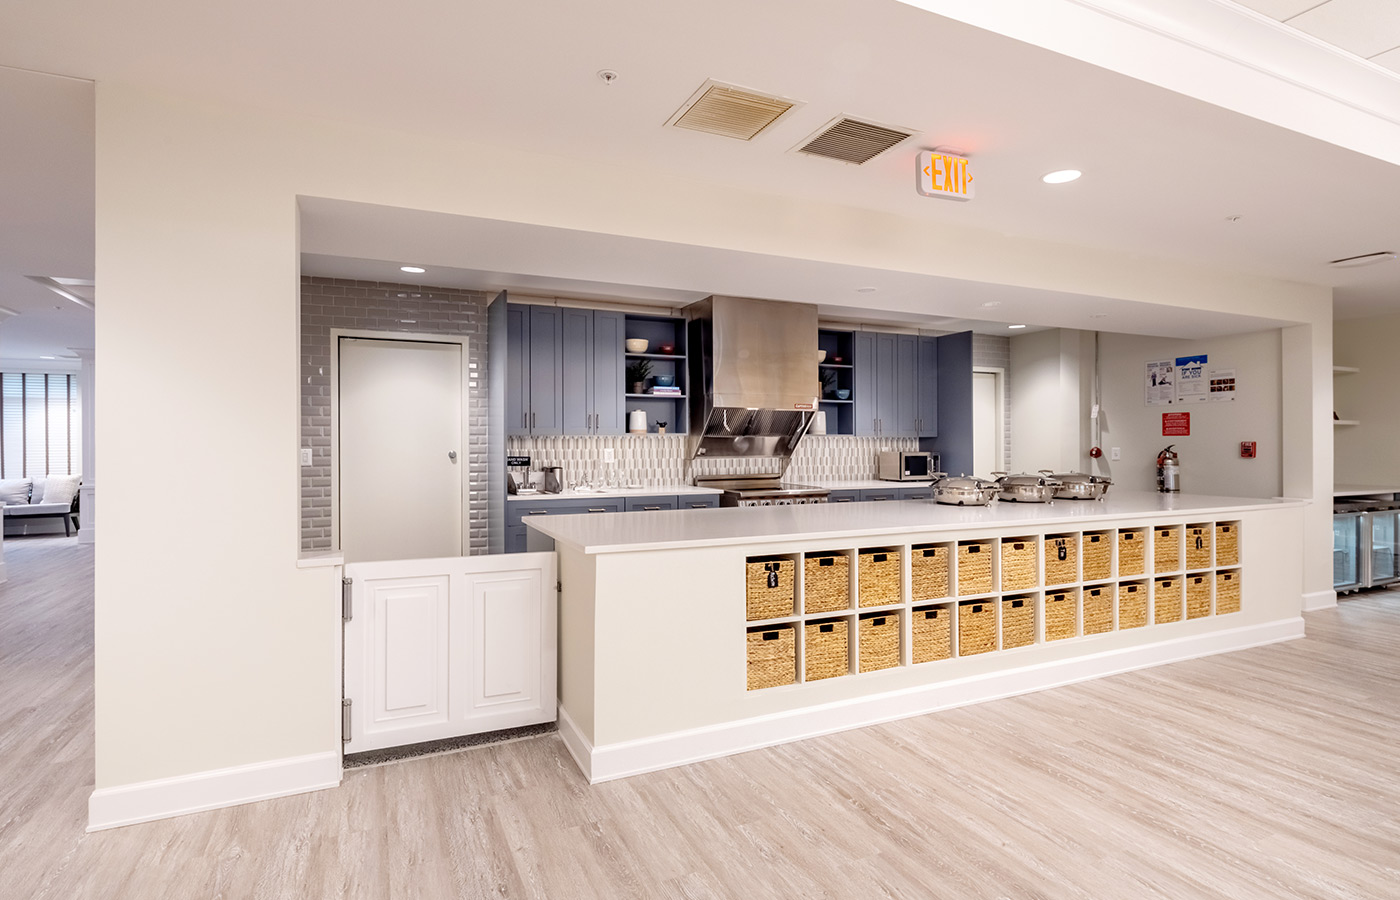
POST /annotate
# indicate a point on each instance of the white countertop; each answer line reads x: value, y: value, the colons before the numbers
x: 824, y: 521
x: 655, y: 491
x: 1362, y: 490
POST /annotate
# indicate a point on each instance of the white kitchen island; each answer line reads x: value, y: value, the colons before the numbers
x: 667, y: 658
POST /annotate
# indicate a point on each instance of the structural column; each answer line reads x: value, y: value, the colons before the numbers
x: 87, y: 506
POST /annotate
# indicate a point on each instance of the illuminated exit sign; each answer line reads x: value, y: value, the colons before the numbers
x: 944, y: 175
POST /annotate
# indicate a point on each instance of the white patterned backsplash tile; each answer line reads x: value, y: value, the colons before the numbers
x: 659, y: 460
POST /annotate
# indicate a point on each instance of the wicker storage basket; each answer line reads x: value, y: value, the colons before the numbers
x: 1227, y: 543
x: 1097, y: 549
x: 826, y: 649
x: 1098, y: 609
x: 879, y: 641
x: 1166, y: 548
x: 1166, y: 600
x: 877, y: 577
x: 1017, y: 564
x: 1198, y: 596
x: 933, y: 634
x: 1132, y: 604
x: 826, y: 582
x: 1017, y: 622
x: 1198, y: 539
x: 1061, y: 617
x: 1061, y: 558
x: 977, y: 627
x: 772, y: 656
x: 768, y: 585
x: 928, y: 572
x: 1132, y: 552
x: 1227, y: 592
x: 974, y: 567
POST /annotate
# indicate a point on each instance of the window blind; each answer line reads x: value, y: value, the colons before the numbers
x: 40, y: 425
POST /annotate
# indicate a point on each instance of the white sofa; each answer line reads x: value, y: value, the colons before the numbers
x: 42, y: 497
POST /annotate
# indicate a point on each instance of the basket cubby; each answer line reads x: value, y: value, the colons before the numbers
x: 858, y: 610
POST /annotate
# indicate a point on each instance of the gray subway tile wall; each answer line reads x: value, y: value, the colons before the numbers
x: 340, y: 303
x: 660, y: 460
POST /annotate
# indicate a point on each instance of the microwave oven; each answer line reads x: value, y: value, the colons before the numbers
x: 905, y: 465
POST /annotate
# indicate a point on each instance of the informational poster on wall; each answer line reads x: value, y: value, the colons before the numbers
x: 1222, y: 385
x: 1192, y: 381
x: 1159, y: 385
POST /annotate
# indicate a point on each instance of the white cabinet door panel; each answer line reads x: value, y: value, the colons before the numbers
x: 438, y: 648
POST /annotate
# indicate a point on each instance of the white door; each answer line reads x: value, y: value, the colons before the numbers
x: 987, y: 444
x: 400, y: 446
x: 437, y: 648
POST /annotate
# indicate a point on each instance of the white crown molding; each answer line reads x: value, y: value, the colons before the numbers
x: 1215, y: 51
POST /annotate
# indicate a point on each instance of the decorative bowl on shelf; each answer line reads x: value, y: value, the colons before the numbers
x: 662, y: 380
x: 666, y: 348
x: 836, y: 359
x: 636, y: 345
x: 821, y: 356
x: 843, y: 393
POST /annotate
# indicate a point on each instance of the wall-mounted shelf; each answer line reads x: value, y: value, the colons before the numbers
x: 1345, y: 370
x: 1346, y: 421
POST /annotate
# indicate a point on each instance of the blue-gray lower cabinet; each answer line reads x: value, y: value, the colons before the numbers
x: 702, y: 501
x: 880, y: 494
x: 650, y: 504
x: 916, y: 493
x: 843, y: 497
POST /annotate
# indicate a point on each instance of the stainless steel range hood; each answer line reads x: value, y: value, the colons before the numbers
x: 753, y: 365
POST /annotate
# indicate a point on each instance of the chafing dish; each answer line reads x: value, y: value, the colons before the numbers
x: 963, y: 490
x: 1079, y: 486
x: 1027, y: 488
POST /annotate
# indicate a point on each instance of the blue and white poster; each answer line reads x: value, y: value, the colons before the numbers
x: 1192, y: 384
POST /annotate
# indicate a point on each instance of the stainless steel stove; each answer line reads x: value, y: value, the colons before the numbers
x: 761, y: 490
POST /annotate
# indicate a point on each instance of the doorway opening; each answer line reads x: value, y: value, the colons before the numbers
x: 988, y: 421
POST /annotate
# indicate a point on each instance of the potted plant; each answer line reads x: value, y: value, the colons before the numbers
x: 828, y: 382
x: 638, y: 371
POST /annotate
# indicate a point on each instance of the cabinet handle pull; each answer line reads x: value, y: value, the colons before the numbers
x: 596, y: 509
x: 532, y: 420
x: 650, y: 507
x: 538, y: 512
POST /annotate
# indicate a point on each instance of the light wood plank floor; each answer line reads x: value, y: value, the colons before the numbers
x: 1272, y: 773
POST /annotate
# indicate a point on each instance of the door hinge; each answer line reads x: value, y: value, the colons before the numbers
x: 345, y: 720
x: 347, y: 605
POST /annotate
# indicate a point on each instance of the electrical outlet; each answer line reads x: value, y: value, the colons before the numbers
x: 607, y: 454
x: 306, y: 456
x: 1115, y: 453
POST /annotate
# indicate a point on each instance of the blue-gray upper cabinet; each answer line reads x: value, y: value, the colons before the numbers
x: 534, y: 404
x: 592, y: 368
x: 927, y: 420
x: 888, y: 400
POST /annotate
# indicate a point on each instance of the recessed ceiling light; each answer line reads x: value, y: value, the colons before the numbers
x: 46, y: 357
x: 415, y: 270
x: 1098, y: 315
x: 991, y: 304
x: 1015, y: 326
x: 1062, y: 176
x: 865, y: 290
x: 1367, y: 259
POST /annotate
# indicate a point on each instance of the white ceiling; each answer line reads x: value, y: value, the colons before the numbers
x: 1369, y: 29
x: 1163, y: 171
x: 46, y: 193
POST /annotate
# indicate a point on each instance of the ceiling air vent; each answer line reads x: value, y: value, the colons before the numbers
x: 730, y: 111
x: 853, y: 141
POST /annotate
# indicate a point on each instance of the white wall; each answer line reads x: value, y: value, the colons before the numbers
x: 1368, y: 453
x: 1210, y: 458
x: 1050, y: 383
x: 212, y: 648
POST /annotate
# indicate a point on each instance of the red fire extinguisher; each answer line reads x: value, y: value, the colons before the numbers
x: 1168, y: 471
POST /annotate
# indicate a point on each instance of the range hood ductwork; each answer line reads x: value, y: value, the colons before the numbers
x: 754, y: 363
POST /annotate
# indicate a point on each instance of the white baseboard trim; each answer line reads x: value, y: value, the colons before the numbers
x: 1319, y: 600
x: 579, y: 747
x: 628, y: 758
x: 165, y: 798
